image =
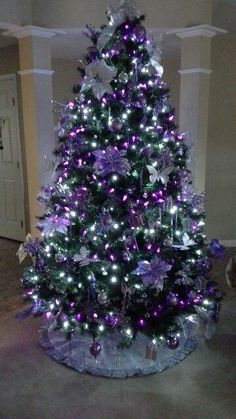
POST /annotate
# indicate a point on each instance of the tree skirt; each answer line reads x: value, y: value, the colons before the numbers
x: 115, y: 362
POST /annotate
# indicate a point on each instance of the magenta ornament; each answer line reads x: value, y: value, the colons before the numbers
x: 95, y: 349
x: 140, y: 33
x: 172, y: 299
x: 116, y: 125
x: 172, y: 342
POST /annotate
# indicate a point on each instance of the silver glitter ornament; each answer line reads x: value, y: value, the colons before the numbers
x: 123, y: 77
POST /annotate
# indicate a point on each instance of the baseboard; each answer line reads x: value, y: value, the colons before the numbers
x: 228, y: 243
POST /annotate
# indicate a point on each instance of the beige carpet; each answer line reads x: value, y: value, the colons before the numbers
x: 33, y: 386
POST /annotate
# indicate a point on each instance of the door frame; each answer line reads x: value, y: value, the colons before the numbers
x: 13, y: 78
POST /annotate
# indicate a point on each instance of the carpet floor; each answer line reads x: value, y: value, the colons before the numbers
x: 33, y: 386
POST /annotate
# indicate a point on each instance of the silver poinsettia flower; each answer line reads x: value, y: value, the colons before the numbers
x: 98, y: 76
x: 117, y: 15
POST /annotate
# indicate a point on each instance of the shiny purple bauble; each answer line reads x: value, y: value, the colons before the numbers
x: 145, y: 152
x: 172, y: 342
x: 192, y: 295
x: 141, y: 98
x: 95, y: 349
x: 139, y: 33
x: 172, y: 299
x: 116, y: 125
x: 118, y: 48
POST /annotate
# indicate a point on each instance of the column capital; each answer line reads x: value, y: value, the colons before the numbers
x: 195, y: 70
x: 39, y: 71
x: 36, y: 31
x: 198, y: 30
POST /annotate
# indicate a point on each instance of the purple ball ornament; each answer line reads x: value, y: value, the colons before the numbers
x: 172, y: 299
x: 95, y: 349
x: 192, y: 295
x: 118, y: 48
x: 146, y: 152
x: 172, y: 342
x: 141, y: 99
x: 140, y: 33
x: 116, y: 125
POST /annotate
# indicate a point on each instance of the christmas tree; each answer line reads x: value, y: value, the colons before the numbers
x: 122, y: 245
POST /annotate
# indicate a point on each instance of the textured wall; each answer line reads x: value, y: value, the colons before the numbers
x: 221, y: 153
x: 160, y: 13
x: 16, y: 11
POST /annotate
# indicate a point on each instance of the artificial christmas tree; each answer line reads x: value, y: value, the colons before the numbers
x: 121, y: 270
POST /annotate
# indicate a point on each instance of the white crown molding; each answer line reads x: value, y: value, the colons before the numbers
x: 6, y: 26
x: 228, y: 243
x: 195, y: 70
x: 29, y: 30
x: 198, y: 30
x: 36, y: 71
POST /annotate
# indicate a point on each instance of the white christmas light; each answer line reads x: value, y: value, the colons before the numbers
x: 173, y: 209
x: 128, y: 332
x: 101, y: 328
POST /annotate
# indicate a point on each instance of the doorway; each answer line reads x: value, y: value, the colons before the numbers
x: 12, y: 214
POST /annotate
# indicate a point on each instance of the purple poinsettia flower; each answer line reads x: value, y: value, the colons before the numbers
x: 153, y: 272
x: 215, y: 249
x: 53, y: 223
x: 111, y: 160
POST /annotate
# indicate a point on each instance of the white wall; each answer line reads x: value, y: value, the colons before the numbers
x: 16, y: 11
x: 171, y: 76
x: 221, y: 153
x: 160, y: 13
x: 65, y: 76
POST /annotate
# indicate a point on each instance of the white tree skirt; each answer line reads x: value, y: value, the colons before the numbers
x: 112, y: 361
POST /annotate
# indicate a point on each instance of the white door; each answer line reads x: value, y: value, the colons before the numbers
x: 12, y: 221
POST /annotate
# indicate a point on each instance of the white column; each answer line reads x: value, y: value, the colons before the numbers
x: 36, y: 95
x: 194, y: 93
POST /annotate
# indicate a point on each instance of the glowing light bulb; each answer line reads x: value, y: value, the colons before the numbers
x: 128, y: 332
x: 173, y: 209
x: 101, y: 328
